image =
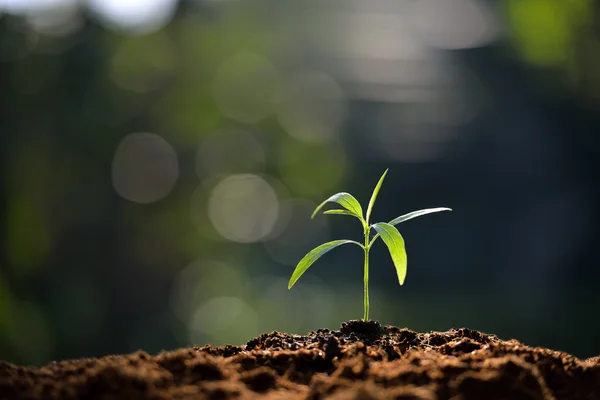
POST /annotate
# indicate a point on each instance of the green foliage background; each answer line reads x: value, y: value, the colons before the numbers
x: 85, y: 271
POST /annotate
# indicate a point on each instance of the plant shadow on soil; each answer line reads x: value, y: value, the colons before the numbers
x: 362, y: 360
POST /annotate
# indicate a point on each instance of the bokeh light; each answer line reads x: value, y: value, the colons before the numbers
x: 309, y: 301
x: 460, y: 24
x: 134, y: 16
x: 144, y: 168
x: 404, y: 132
x: 275, y: 302
x: 202, y: 280
x: 229, y: 152
x: 544, y: 31
x: 299, y: 234
x: 49, y: 17
x: 311, y: 169
x: 219, y: 319
x: 247, y: 87
x: 143, y: 64
x: 31, y: 6
x: 243, y: 208
x: 312, y: 107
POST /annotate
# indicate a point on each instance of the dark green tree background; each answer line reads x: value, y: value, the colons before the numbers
x: 157, y: 180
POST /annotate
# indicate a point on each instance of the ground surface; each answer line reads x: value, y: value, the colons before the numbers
x: 362, y: 360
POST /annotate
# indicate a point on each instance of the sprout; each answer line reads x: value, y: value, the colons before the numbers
x: 387, y: 231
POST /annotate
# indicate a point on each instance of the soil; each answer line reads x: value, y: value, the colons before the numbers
x: 362, y: 360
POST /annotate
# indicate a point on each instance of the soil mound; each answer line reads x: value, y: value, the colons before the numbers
x: 362, y: 360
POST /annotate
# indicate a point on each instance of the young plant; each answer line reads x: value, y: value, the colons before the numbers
x: 387, y: 231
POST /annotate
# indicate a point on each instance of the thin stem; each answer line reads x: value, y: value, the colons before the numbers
x: 373, y: 240
x: 366, y: 276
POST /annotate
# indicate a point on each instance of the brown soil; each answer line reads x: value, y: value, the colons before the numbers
x: 362, y: 360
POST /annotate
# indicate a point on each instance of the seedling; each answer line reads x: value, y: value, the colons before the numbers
x: 387, y: 231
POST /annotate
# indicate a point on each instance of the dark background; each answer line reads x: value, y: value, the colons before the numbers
x: 160, y: 162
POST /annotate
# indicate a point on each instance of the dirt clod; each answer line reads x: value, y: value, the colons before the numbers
x: 362, y: 360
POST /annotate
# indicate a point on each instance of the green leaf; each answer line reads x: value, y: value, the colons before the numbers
x: 418, y: 213
x: 313, y: 256
x: 344, y: 199
x: 412, y: 215
x: 339, y: 212
x: 374, y: 195
x: 395, y: 244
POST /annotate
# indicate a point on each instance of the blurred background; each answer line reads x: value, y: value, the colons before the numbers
x: 160, y: 160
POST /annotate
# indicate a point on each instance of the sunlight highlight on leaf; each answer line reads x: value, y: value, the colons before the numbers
x: 344, y: 199
x: 374, y: 195
x: 418, y: 213
x: 339, y: 212
x: 395, y: 244
x: 313, y: 256
x: 412, y: 215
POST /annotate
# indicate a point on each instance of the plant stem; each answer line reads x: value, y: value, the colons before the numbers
x: 366, y: 276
